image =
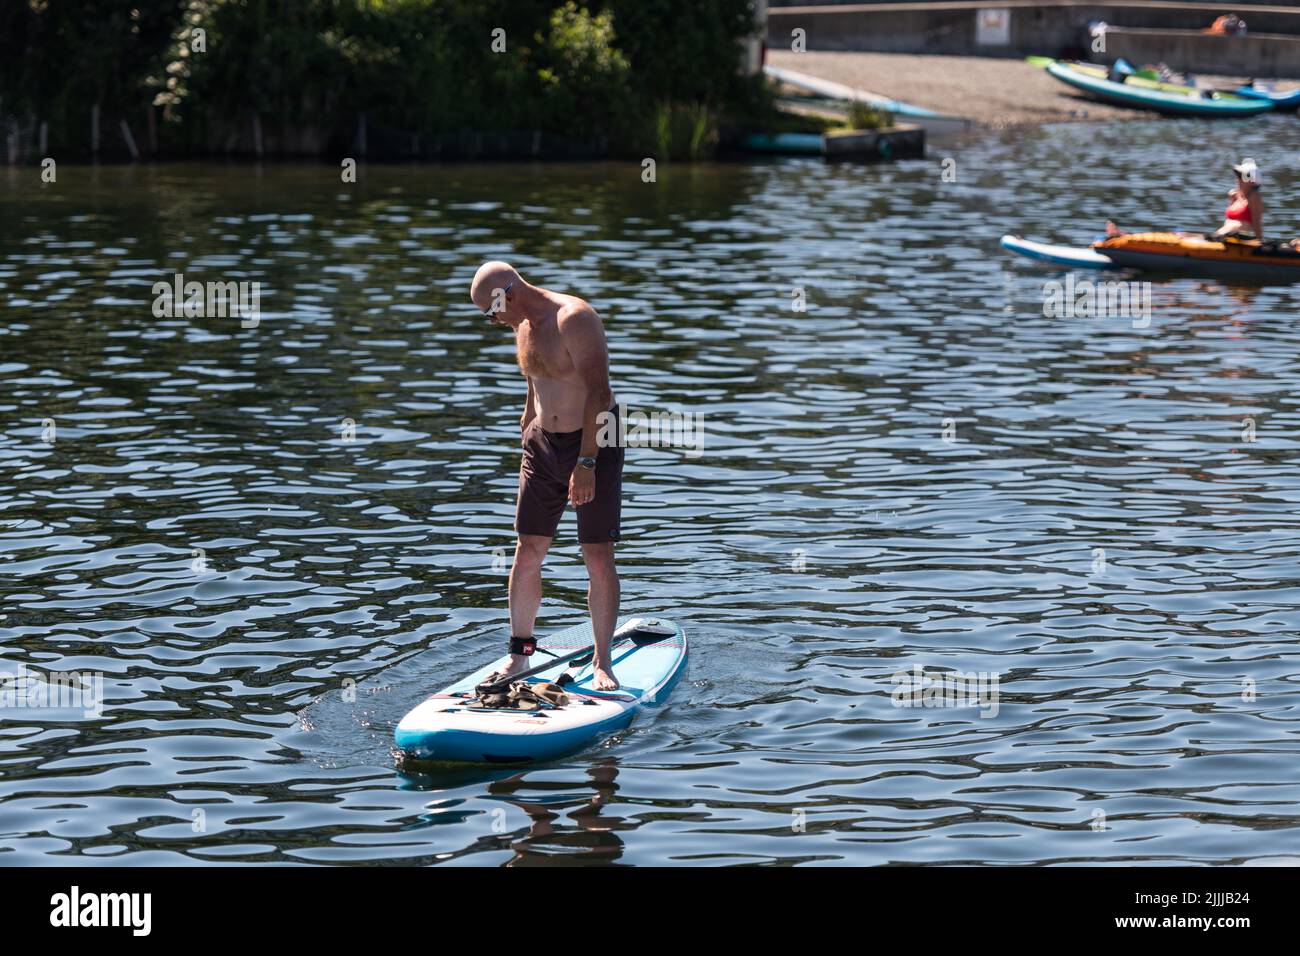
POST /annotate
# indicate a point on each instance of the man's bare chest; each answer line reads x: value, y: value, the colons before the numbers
x: 542, y: 353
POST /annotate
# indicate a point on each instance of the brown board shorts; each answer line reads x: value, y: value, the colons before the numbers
x: 549, y: 460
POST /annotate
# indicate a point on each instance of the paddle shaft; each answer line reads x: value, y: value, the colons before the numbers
x: 486, y: 688
x: 586, y: 654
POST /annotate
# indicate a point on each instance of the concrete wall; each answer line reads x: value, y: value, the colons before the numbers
x: 1045, y: 28
x: 1266, y: 55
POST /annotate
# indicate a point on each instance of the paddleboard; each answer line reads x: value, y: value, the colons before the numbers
x: 649, y: 657
x: 929, y: 120
x: 1060, y: 255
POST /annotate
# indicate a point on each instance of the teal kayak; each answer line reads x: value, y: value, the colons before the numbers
x: 790, y: 144
x: 1163, y: 98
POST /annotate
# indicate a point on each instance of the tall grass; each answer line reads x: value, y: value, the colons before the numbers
x: 684, y: 131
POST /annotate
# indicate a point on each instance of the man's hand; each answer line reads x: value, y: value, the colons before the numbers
x: 582, y: 485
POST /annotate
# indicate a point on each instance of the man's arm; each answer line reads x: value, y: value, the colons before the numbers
x: 584, y: 338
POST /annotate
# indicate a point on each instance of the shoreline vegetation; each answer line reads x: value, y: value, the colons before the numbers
x: 379, y: 79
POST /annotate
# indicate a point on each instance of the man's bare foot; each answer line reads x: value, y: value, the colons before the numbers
x: 602, y: 678
x: 518, y: 662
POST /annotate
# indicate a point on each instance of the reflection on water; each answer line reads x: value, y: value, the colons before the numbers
x: 265, y: 598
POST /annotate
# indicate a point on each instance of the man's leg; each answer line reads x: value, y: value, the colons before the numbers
x: 602, y: 601
x: 526, y: 591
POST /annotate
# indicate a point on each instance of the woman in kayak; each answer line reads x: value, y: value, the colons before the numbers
x: 1244, y: 217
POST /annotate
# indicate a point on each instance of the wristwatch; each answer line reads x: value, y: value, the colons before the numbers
x: 586, y: 461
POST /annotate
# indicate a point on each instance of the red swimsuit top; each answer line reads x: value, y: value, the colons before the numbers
x: 1239, y: 210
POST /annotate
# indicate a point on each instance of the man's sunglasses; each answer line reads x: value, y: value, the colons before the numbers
x: 506, y: 291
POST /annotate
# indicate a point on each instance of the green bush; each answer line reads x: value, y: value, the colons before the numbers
x: 59, y: 57
x: 585, y: 76
x: 865, y: 116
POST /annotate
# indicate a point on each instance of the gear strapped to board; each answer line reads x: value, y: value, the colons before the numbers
x: 522, y: 695
x: 501, y: 692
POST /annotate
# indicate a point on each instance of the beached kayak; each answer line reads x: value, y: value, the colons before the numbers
x: 1289, y: 101
x: 1148, y: 78
x: 1246, y: 260
x: 1168, y: 98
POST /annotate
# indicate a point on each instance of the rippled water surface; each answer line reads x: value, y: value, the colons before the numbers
x: 180, y: 512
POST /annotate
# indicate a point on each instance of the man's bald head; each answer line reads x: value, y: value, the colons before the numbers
x: 489, y: 285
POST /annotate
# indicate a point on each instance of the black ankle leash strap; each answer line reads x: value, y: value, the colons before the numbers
x: 526, y: 646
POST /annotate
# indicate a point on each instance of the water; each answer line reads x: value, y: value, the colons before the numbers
x: 1100, y: 535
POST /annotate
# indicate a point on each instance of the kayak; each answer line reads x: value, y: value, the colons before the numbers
x: 1058, y: 255
x: 1149, y: 79
x: 798, y: 144
x: 1290, y: 100
x: 1169, y: 98
x: 1247, y: 260
x: 1146, y: 79
x: 649, y: 657
x: 1243, y: 260
x: 1122, y: 65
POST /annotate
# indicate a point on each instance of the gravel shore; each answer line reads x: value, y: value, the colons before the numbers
x: 992, y: 92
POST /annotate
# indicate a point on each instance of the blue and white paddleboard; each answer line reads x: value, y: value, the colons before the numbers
x: 649, y: 656
x: 1060, y: 255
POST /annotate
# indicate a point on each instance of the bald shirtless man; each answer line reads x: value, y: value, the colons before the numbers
x: 560, y: 344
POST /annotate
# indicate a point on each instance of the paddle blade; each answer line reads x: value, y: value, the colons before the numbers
x: 648, y: 632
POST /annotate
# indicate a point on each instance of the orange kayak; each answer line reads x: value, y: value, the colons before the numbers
x: 1247, y: 260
